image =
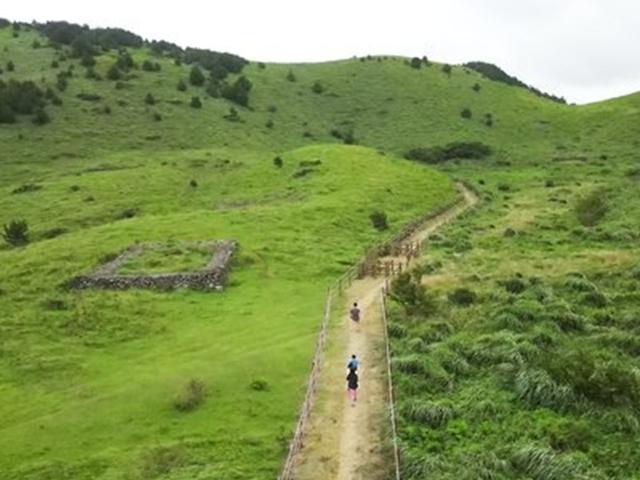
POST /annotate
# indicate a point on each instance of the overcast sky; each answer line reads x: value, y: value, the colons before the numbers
x: 585, y: 50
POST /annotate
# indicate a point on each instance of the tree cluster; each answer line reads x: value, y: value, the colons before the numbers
x: 495, y: 73
x: 453, y: 150
x: 19, y: 98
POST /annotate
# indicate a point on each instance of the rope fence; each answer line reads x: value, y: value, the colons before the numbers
x: 392, y: 402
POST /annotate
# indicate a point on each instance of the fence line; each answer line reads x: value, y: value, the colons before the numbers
x: 392, y: 402
x: 356, y: 271
x: 305, y: 411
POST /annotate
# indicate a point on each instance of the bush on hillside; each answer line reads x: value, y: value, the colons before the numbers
x: 238, y: 92
x: 149, y: 66
x: 277, y: 161
x: 181, y: 86
x: 538, y: 389
x: 196, y: 102
x: 41, y: 117
x: 431, y: 414
x: 317, y: 87
x: 488, y: 119
x: 10, y: 66
x: 415, y: 63
x: 291, y: 76
x: 379, y: 220
x: 447, y: 69
x: 191, y: 397
x: 19, y: 98
x: 196, y: 77
x: 466, y: 113
x: 149, y: 99
x: 463, y: 297
x: 515, y: 285
x: 16, y: 233
x: 592, y: 208
x: 439, y: 154
x: 476, y: 87
x: 114, y: 73
x: 412, y: 295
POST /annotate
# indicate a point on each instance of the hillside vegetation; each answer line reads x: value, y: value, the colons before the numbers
x: 517, y: 361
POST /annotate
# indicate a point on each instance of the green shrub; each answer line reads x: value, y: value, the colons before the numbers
x: 580, y: 284
x: 434, y: 415
x: 476, y: 87
x: 537, y: 389
x: 597, y: 377
x: 181, y: 85
x: 16, y: 233
x: 259, y: 385
x: 463, y: 297
x: 447, y: 69
x: 541, y: 464
x: 196, y: 77
x: 515, y: 285
x: 191, y: 397
x: 291, y: 76
x: 26, y: 188
x: 466, y: 113
x: 415, y: 63
x: 439, y: 154
x: 412, y: 364
x: 568, y: 435
x: 592, y: 208
x: 149, y: 99
x: 238, y: 92
x: 397, y: 330
x: 195, y: 102
x: 595, y: 299
x: 278, y: 162
x: 379, y: 220
x: 317, y: 87
x: 412, y: 295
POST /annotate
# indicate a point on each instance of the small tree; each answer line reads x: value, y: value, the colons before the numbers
x: 182, y: 86
x: 476, y: 87
x: 277, y: 161
x: 114, y: 72
x: 10, y: 66
x: 148, y: 66
x: 16, y: 233
x: 415, y: 63
x: 149, y: 99
x: 41, y: 117
x: 196, y: 102
x: 291, y: 76
x: 446, y: 68
x: 196, y: 77
x: 317, y: 87
x: 379, y: 220
x: 466, y: 113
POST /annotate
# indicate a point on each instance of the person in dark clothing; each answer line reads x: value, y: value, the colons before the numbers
x: 352, y: 386
x: 354, y: 313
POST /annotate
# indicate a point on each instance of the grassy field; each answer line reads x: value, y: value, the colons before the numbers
x: 177, y: 385
x: 521, y: 360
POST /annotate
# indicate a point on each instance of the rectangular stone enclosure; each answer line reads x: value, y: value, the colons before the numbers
x: 212, y: 277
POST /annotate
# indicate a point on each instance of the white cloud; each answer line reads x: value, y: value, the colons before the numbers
x: 582, y: 49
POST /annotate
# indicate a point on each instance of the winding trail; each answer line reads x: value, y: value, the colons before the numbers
x: 344, y: 442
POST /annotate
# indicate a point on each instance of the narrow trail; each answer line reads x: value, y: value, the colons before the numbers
x: 344, y: 442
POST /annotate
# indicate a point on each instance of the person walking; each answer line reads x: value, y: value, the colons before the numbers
x: 352, y: 387
x: 353, y: 363
x: 354, y: 313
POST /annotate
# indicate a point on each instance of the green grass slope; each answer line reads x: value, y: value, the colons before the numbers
x: 89, y: 378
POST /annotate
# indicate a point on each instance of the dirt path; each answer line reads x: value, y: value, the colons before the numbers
x: 345, y: 442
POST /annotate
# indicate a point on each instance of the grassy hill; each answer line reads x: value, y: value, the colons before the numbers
x: 89, y: 382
